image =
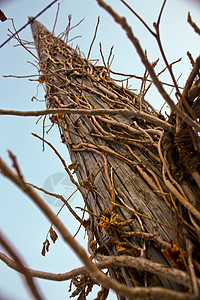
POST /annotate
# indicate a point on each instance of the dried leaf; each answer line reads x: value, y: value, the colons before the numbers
x: 86, y: 184
x: 102, y: 294
x: 53, y: 118
x: 83, y: 285
x: 104, y: 222
x: 61, y: 116
x: 105, y: 212
x: 45, y: 247
x: 93, y: 246
x: 175, y: 254
x: 2, y: 16
x: 124, y: 248
x: 41, y: 79
x: 117, y: 222
x: 112, y: 220
x: 53, y: 235
x: 74, y: 167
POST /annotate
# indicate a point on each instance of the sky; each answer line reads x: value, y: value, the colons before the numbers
x: 20, y: 220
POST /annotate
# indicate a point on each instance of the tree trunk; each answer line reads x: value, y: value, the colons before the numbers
x: 116, y: 160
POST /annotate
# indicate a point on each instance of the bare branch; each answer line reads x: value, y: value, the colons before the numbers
x: 95, y: 33
x: 116, y: 261
x: 91, y: 112
x: 21, y: 267
x: 29, y: 21
x: 161, y: 11
x: 122, y: 21
x: 194, y: 26
x: 141, y: 20
x: 62, y: 199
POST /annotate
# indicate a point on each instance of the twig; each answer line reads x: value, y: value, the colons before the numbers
x: 63, y: 162
x: 122, y: 21
x: 193, y: 277
x: 142, y: 21
x: 140, y: 214
x: 56, y: 18
x: 141, y: 78
x: 29, y: 21
x: 149, y: 237
x: 194, y: 26
x: 19, y: 264
x: 90, y: 112
x: 115, y: 262
x: 191, y: 78
x: 160, y: 14
x: 177, y: 191
x: 109, y: 62
x: 101, y: 52
x: 88, y: 56
x: 61, y: 198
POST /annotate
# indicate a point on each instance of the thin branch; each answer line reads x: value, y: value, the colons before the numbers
x: 191, y: 78
x: 56, y: 18
x: 165, y: 58
x: 161, y: 11
x: 95, y: 34
x: 20, y: 266
x: 107, y: 282
x: 29, y: 21
x: 148, y: 237
x: 122, y: 21
x: 149, y: 80
x: 140, y: 214
x: 194, y: 26
x: 138, y: 263
x: 193, y: 277
x: 141, y: 20
x: 62, y: 199
x: 91, y: 112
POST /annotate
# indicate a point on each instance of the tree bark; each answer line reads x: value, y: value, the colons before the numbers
x: 117, y: 162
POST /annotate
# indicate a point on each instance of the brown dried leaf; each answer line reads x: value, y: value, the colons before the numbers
x: 53, y: 235
x: 61, y: 116
x: 124, y: 248
x: 117, y: 222
x: 93, y: 246
x: 83, y: 285
x: 112, y: 220
x: 53, y: 118
x: 41, y: 79
x: 86, y: 184
x: 104, y: 222
x: 102, y: 294
x: 2, y: 16
x: 73, y: 166
x: 45, y: 247
x: 176, y: 255
x: 105, y: 212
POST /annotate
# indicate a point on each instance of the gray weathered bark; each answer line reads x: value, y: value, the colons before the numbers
x: 124, y: 151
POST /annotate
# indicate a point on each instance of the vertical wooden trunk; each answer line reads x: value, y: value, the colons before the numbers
x: 116, y: 156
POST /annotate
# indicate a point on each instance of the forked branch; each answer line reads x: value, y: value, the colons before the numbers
x: 123, y: 23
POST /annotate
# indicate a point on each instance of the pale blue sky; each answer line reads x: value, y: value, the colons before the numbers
x: 20, y: 220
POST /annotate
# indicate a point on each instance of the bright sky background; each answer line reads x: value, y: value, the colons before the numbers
x: 20, y: 220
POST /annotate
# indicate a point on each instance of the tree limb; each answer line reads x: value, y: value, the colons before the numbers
x: 90, y: 112
x: 106, y: 262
